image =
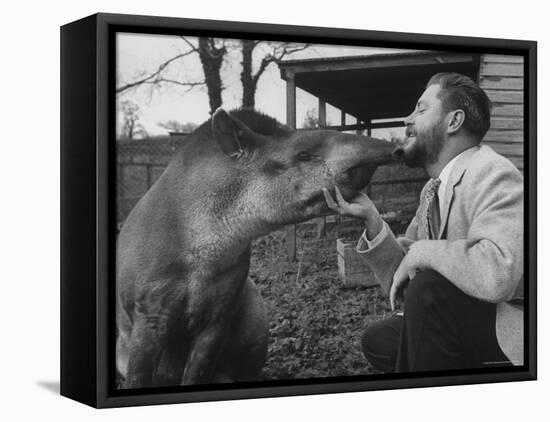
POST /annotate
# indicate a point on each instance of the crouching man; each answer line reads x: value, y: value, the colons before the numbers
x: 461, y: 258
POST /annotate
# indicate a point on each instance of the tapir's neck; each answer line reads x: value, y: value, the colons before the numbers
x: 240, y: 225
x: 224, y: 233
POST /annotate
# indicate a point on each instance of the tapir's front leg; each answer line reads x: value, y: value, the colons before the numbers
x: 204, y: 354
x: 146, y: 343
x: 211, y: 306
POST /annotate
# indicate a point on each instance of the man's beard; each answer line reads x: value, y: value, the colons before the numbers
x: 426, y: 147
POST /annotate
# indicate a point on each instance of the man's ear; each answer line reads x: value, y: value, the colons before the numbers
x: 456, y: 120
x: 233, y: 136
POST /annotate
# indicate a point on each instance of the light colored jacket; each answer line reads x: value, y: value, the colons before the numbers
x: 480, y: 242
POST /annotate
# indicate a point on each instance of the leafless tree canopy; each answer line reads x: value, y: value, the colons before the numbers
x: 212, y: 52
x: 131, y: 127
x: 276, y: 51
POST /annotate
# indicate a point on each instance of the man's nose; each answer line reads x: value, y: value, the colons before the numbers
x: 408, y: 120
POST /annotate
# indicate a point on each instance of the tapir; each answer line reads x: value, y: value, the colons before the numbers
x: 186, y: 311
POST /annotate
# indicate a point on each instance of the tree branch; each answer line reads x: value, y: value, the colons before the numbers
x: 287, y: 50
x: 276, y: 57
x: 189, y: 85
x: 193, y: 48
x: 153, y: 75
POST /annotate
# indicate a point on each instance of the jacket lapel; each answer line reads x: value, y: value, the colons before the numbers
x: 456, y: 176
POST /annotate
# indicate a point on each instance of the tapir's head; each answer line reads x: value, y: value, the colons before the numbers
x: 278, y: 173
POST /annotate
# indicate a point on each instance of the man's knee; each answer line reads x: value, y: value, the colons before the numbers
x: 379, y: 343
x: 427, y: 288
x: 371, y: 343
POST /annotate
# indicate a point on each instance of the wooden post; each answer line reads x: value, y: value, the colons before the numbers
x: 322, y: 113
x: 322, y: 221
x: 291, y: 122
x: 358, y: 131
x: 342, y: 124
x: 369, y: 133
x: 149, y: 169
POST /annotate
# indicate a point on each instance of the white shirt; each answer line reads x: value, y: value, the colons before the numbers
x: 364, y: 244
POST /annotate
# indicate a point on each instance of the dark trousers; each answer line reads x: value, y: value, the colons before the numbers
x: 441, y: 328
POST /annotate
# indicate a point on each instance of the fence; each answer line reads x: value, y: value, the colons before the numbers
x: 140, y: 163
x: 394, y: 189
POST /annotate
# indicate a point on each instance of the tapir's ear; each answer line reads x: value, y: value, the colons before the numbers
x: 233, y: 136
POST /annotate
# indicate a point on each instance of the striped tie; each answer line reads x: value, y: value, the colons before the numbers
x: 431, y: 207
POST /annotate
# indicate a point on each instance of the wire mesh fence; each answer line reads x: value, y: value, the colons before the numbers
x: 140, y: 162
x: 394, y: 189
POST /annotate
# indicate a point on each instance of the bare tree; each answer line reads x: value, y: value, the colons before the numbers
x: 158, y: 76
x: 175, y: 126
x: 276, y: 51
x: 212, y: 52
x: 311, y: 121
x: 131, y: 127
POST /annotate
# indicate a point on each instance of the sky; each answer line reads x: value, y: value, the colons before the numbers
x: 141, y: 54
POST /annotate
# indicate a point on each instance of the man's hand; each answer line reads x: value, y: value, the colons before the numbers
x: 406, y: 271
x: 360, y: 206
x: 399, y: 284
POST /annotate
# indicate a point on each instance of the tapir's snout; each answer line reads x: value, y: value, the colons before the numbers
x: 354, y: 159
x: 379, y: 152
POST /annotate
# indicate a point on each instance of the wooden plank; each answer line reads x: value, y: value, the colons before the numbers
x: 291, y: 102
x: 501, y: 69
x: 517, y: 161
x: 321, y: 227
x: 498, y: 96
x: 499, y: 82
x: 322, y: 113
x: 379, y: 125
x: 506, y: 123
x: 508, y: 149
x: 500, y: 58
x: 507, y: 110
x: 371, y: 62
x: 358, y: 122
x: 398, y: 181
x: 352, y: 268
x: 290, y: 236
x: 504, y: 136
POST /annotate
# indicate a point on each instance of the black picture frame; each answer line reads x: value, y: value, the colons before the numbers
x: 88, y: 226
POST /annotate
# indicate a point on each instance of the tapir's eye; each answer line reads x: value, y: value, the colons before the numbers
x: 304, y: 156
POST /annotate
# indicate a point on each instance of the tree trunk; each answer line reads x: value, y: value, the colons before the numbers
x: 249, y: 85
x: 212, y: 59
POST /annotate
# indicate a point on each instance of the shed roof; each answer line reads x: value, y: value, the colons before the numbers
x: 377, y: 86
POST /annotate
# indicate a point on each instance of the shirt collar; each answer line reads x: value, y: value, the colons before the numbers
x: 446, y: 172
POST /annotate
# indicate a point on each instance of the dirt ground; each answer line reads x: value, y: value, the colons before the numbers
x: 315, y: 321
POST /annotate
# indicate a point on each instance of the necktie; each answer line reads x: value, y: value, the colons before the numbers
x: 431, y: 209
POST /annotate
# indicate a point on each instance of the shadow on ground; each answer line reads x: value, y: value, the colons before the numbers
x: 51, y: 386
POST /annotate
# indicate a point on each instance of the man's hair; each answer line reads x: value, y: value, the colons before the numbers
x: 461, y: 92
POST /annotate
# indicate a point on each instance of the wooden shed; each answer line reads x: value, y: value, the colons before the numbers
x: 379, y: 90
x: 502, y: 78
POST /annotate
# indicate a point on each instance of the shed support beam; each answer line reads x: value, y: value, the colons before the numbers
x: 358, y: 123
x: 322, y: 221
x: 291, y: 123
x: 322, y: 113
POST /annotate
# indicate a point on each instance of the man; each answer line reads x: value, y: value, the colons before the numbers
x: 462, y: 253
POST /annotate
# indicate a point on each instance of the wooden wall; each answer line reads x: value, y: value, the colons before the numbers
x: 502, y: 78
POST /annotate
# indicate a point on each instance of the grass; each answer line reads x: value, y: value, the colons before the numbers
x: 315, y: 321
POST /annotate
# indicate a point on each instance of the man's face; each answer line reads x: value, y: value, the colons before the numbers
x: 425, y: 132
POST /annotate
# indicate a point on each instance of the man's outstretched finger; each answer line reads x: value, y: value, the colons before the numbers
x: 392, y: 297
x: 329, y: 200
x: 339, y: 198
